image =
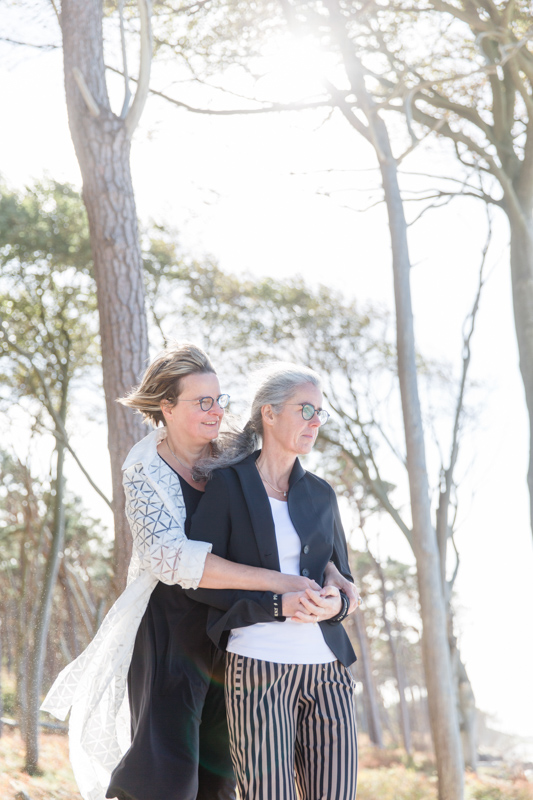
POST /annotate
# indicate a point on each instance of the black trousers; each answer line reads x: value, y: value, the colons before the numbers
x: 180, y: 748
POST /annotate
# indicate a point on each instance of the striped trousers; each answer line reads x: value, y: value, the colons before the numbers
x: 292, y: 729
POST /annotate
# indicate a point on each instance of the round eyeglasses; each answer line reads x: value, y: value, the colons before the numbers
x: 309, y: 411
x: 206, y: 403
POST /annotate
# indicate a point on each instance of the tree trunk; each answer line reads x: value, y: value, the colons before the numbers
x: 370, y: 696
x: 436, y: 655
x: 464, y: 693
x: 31, y: 728
x: 1, y: 687
x: 521, y: 227
x: 466, y: 703
x: 102, y: 143
x: 23, y: 637
x: 398, y: 671
x: 72, y: 622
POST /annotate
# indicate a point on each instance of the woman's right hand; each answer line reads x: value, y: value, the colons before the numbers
x: 285, y: 584
x: 291, y: 604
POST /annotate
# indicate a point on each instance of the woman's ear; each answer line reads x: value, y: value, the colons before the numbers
x: 166, y: 408
x: 267, y: 415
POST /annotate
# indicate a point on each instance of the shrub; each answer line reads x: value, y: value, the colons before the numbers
x: 10, y: 701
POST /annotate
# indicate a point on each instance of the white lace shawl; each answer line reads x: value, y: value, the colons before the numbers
x: 93, y: 687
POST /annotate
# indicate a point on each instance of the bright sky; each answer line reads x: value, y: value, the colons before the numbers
x: 233, y: 188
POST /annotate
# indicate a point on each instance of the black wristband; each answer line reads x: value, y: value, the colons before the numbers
x: 343, y: 613
x: 278, y: 608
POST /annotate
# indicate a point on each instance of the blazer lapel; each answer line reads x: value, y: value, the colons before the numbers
x: 302, y: 509
x: 260, y: 512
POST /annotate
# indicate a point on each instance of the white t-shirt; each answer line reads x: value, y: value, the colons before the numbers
x: 285, y: 642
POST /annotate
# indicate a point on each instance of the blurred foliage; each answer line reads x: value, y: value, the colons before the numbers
x: 48, y: 332
x: 83, y: 589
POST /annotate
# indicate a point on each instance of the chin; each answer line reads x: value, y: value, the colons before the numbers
x: 306, y: 448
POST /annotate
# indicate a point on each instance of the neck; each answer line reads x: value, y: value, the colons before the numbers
x: 187, y: 451
x: 276, y: 466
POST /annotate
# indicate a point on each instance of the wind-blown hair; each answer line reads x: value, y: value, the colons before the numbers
x: 275, y: 385
x: 162, y: 380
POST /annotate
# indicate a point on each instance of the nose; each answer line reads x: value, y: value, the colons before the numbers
x: 314, y: 422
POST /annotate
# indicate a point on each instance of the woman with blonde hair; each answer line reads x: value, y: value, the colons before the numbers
x: 165, y: 738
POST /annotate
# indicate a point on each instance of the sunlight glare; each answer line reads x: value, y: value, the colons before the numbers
x: 296, y: 69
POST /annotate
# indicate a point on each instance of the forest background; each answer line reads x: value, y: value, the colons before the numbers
x: 275, y: 196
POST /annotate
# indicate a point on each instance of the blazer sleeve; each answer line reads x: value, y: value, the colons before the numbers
x: 232, y: 608
x: 340, y: 549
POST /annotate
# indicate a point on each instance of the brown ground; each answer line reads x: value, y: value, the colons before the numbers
x: 382, y: 775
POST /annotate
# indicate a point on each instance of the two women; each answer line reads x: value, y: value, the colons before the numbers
x: 167, y: 737
x: 289, y: 691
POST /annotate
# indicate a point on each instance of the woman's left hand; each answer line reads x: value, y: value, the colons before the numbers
x: 332, y: 577
x: 319, y: 606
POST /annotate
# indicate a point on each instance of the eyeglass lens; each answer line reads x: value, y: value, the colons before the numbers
x: 206, y: 403
x: 308, y: 412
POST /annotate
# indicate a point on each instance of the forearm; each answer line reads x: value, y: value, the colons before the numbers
x: 219, y: 573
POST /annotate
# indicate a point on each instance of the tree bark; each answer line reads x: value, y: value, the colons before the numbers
x: 102, y: 143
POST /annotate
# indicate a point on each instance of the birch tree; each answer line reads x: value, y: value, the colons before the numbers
x: 484, y: 107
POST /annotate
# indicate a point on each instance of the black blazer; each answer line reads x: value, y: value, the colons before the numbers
x: 235, y: 516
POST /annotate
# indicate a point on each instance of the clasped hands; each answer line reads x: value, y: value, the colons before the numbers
x: 312, y: 605
x: 303, y: 600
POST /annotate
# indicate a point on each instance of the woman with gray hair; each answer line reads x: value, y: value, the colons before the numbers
x: 289, y: 692
x: 165, y: 738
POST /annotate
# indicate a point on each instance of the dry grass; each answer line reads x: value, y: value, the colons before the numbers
x: 395, y: 783
x: 513, y: 788
x: 56, y: 780
x: 382, y: 776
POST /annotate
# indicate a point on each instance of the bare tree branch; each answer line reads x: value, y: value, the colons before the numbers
x: 29, y: 44
x: 127, y: 91
x: 416, y: 142
x: 443, y: 527
x: 224, y: 112
x: 56, y: 11
x: 376, y: 487
x: 143, y: 84
x: 90, y: 102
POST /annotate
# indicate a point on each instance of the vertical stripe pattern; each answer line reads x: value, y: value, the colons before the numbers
x: 292, y: 729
